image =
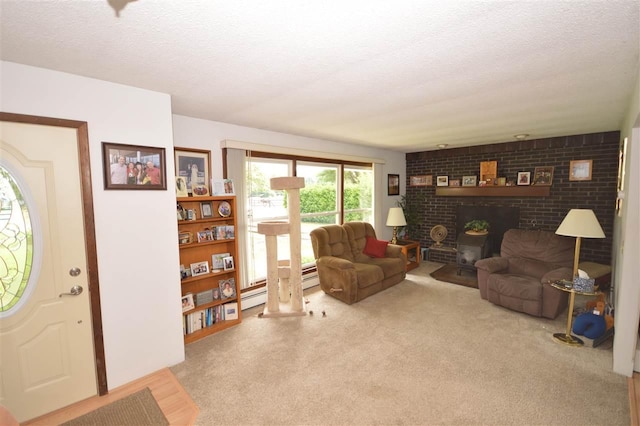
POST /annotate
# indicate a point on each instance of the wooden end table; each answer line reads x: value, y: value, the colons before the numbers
x: 411, y: 250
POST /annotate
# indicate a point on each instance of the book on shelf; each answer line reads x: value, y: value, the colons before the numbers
x: 207, y: 317
x: 227, y: 288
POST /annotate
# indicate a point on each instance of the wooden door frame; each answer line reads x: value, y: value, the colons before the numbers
x: 89, y: 230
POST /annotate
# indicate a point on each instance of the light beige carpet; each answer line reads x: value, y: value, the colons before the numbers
x: 138, y: 409
x: 423, y: 352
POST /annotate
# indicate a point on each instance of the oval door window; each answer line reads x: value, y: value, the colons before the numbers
x: 16, y: 243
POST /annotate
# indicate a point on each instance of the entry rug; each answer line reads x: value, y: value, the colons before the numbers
x: 449, y: 273
x: 137, y: 409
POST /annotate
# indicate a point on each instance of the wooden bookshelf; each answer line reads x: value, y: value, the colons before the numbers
x: 208, y: 215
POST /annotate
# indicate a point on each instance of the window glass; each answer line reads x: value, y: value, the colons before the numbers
x: 358, y: 194
x: 16, y: 242
x: 321, y: 203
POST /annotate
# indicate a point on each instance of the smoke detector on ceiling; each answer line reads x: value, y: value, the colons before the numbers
x: 521, y: 136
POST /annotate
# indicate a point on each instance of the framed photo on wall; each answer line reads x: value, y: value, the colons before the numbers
x: 133, y: 167
x: 194, y: 165
x: 580, y: 169
x: 393, y: 184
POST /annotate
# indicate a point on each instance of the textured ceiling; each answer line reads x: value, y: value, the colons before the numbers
x: 402, y: 75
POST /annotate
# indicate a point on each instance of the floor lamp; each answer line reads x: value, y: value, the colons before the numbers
x: 395, y: 219
x: 579, y: 223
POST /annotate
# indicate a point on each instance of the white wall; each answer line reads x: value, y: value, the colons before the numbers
x: 627, y: 248
x: 136, y: 231
x: 203, y: 134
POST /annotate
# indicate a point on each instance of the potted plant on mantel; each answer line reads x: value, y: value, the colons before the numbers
x: 477, y: 227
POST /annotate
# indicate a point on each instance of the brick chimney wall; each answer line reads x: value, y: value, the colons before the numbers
x: 543, y: 213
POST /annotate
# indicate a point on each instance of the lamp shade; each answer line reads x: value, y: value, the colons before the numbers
x: 396, y: 217
x: 580, y: 223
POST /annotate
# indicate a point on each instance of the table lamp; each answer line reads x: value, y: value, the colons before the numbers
x: 579, y: 223
x: 395, y: 219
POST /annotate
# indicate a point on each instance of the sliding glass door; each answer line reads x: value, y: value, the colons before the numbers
x: 334, y: 193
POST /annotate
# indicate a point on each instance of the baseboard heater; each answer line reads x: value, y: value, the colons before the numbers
x: 259, y: 296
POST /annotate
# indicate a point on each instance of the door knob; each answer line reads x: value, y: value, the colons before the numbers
x: 75, y: 290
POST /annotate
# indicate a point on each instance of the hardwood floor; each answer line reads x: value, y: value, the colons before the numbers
x: 174, y: 401
x: 634, y: 398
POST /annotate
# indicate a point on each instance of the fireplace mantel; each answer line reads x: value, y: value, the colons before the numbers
x: 493, y: 191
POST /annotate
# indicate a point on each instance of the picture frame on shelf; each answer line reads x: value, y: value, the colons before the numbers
x: 185, y: 237
x: 454, y: 182
x: 543, y: 176
x: 216, y: 293
x: 228, y: 263
x: 184, y: 272
x: 204, y: 236
x: 224, y: 209
x: 502, y: 181
x: 231, y: 311
x: 442, y: 181
x: 200, y: 191
x: 181, y: 187
x: 227, y: 288
x: 393, y: 184
x: 469, y: 180
x: 524, y: 178
x: 133, y: 167
x: 223, y: 187
x: 217, y: 261
x: 194, y: 165
x: 421, y: 180
x: 187, y: 302
x: 199, y: 268
x: 206, y: 209
x: 580, y: 169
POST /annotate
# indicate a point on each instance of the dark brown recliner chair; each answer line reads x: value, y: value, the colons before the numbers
x: 520, y: 278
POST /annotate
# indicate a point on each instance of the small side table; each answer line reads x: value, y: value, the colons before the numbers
x: 411, y: 250
x: 567, y: 338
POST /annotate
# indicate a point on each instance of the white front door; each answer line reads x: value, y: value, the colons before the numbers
x: 47, y: 354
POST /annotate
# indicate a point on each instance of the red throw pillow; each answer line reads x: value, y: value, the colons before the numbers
x: 375, y: 248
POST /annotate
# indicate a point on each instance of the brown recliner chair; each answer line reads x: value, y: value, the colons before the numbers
x: 520, y: 278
